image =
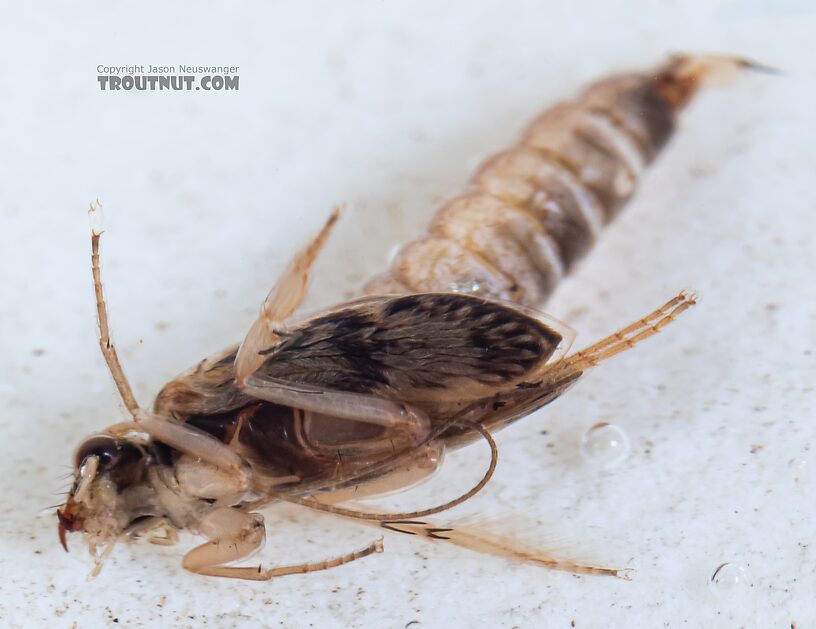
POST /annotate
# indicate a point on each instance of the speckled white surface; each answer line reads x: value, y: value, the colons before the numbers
x: 388, y: 107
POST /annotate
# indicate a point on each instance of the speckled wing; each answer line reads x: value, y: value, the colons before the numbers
x: 432, y: 347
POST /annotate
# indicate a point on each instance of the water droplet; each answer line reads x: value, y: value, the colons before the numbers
x: 465, y: 286
x: 605, y: 445
x: 7, y: 391
x: 729, y: 579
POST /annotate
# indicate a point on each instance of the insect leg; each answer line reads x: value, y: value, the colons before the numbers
x: 195, y: 443
x: 105, y: 342
x: 382, y: 517
x: 235, y: 535
x: 480, y: 538
x: 400, y: 419
x: 281, y: 302
x: 416, y: 466
x: 631, y: 335
x: 487, y: 538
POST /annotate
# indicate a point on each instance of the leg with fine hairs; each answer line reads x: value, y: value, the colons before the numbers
x: 488, y: 538
x: 281, y: 302
x: 235, y: 535
x: 631, y: 335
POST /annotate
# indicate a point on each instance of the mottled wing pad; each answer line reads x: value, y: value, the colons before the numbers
x: 422, y: 346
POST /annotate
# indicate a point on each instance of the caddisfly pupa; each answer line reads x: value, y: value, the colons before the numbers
x: 365, y: 397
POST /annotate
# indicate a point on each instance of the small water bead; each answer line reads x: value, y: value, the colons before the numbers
x: 605, y: 445
x: 729, y: 579
x: 466, y: 286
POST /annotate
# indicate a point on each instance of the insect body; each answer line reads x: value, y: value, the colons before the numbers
x: 366, y: 396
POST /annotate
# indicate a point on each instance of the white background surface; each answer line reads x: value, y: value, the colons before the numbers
x: 388, y: 107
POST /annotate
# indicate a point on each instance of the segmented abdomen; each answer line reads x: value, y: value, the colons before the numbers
x: 533, y: 210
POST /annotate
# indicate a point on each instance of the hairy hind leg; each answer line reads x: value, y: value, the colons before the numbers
x: 631, y: 335
x: 492, y: 537
x: 489, y: 539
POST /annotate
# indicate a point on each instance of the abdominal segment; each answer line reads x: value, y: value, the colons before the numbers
x: 532, y: 211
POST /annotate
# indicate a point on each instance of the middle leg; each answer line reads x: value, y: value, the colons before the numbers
x: 321, y: 505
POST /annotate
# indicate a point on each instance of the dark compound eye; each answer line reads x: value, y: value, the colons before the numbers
x: 107, y: 449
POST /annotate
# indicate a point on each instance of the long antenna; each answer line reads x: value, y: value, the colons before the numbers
x: 105, y: 342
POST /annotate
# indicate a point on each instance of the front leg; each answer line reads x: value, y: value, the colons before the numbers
x: 235, y: 535
x: 196, y: 443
